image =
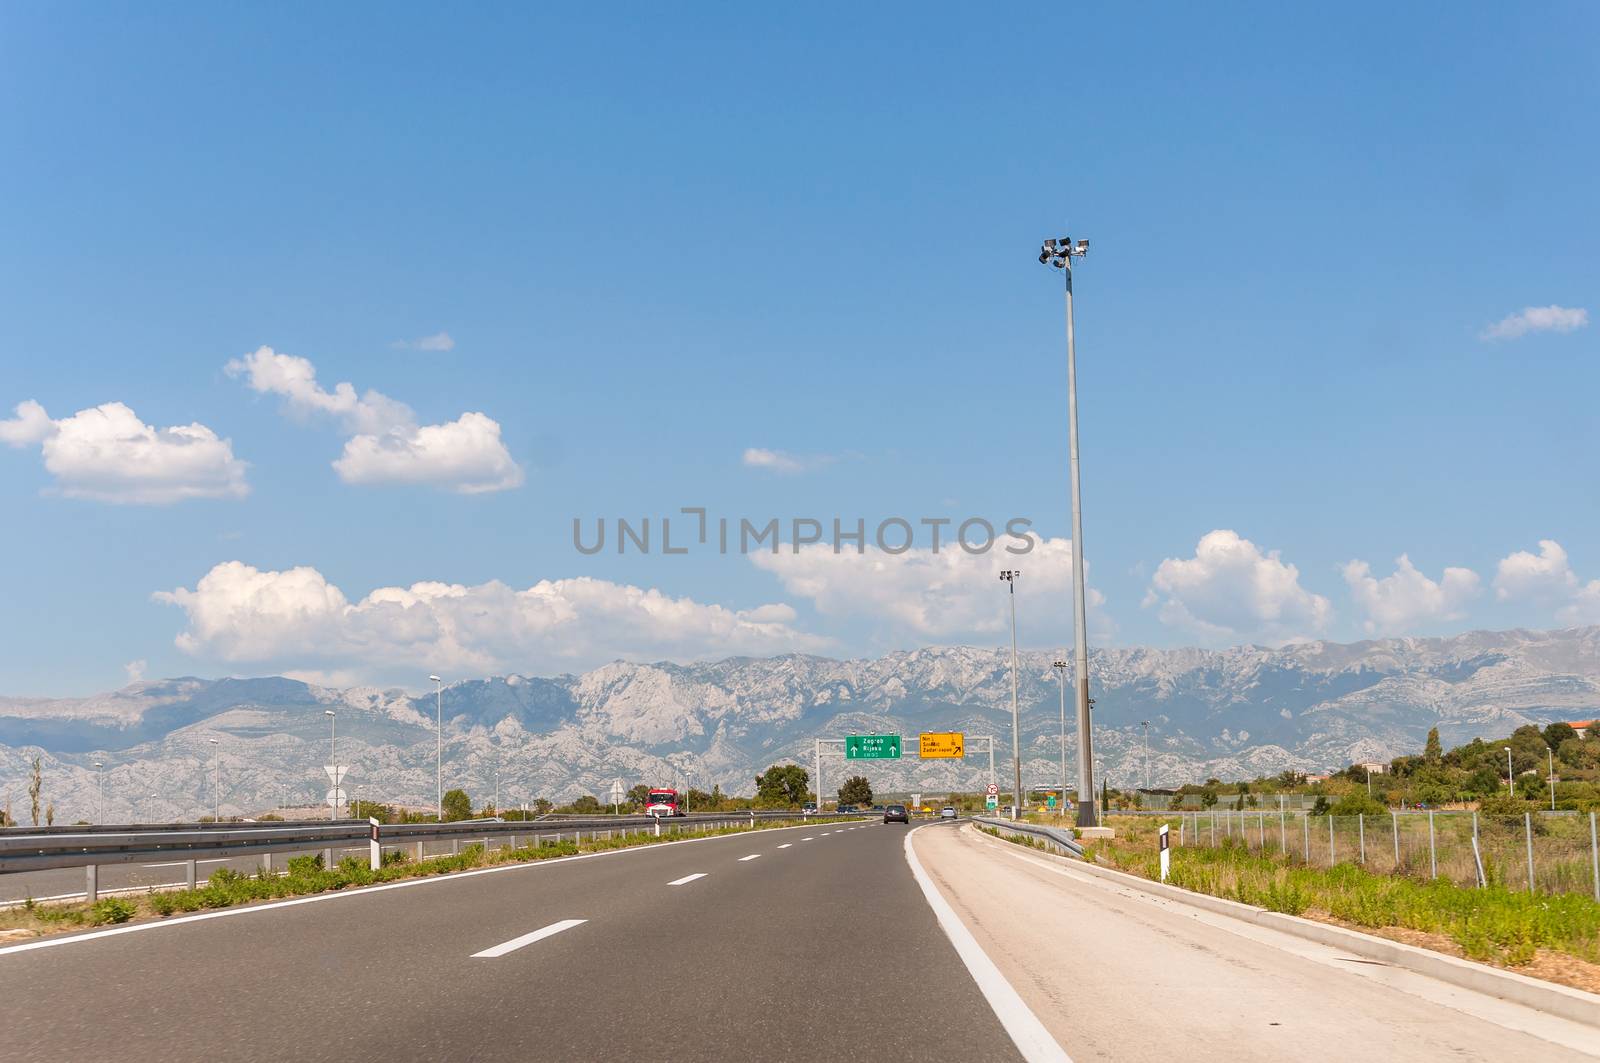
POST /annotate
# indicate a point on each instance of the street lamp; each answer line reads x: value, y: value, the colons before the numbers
x: 1009, y: 577
x: 100, y: 783
x: 438, y: 708
x: 1510, y: 785
x: 1061, y: 688
x: 216, y: 750
x: 333, y: 761
x: 1060, y: 253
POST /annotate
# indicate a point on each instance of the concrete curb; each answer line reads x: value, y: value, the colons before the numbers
x: 1548, y: 997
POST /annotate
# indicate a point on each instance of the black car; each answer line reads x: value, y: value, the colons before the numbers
x: 896, y: 814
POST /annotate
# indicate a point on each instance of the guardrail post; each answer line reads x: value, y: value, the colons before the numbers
x: 419, y: 852
x: 327, y: 859
x: 189, y: 870
x: 91, y: 884
x: 266, y: 862
x: 455, y: 846
x: 1527, y: 831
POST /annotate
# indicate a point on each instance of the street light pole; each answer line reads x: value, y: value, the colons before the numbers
x: 438, y: 708
x: 1061, y: 688
x: 1146, y: 725
x: 216, y: 750
x: 1009, y: 576
x: 333, y: 759
x: 1060, y: 253
x: 100, y: 783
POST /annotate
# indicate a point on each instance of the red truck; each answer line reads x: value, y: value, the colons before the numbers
x: 664, y: 803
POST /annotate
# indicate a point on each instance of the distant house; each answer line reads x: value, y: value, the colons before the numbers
x: 1581, y: 726
x: 1374, y: 768
x: 1324, y: 777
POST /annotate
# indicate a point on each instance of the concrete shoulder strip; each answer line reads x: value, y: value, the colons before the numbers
x: 1548, y: 997
x: 1033, y: 1041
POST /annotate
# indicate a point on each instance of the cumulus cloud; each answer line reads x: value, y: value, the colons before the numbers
x: 1547, y: 579
x: 1399, y: 602
x: 135, y: 670
x: 948, y: 595
x: 108, y: 454
x: 439, y: 341
x: 297, y: 619
x: 1537, y: 319
x: 1230, y: 589
x: 387, y: 446
x: 784, y: 462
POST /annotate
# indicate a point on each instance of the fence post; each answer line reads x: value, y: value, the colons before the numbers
x: 1361, y: 826
x: 1527, y: 832
x: 91, y: 884
x: 1283, y: 830
x: 1433, y: 852
x: 1394, y: 825
x: 1330, y: 839
x: 1305, y: 829
x: 1594, y: 856
x: 1213, y: 821
x: 1261, y: 822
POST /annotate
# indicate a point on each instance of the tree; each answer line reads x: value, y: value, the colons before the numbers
x: 782, y: 784
x: 542, y: 806
x: 856, y: 791
x: 35, y: 788
x: 1357, y: 803
x: 1320, y: 806
x: 588, y: 804
x: 50, y: 814
x: 639, y: 795
x: 457, y: 805
x: 1208, y: 797
x: 1557, y: 733
x: 1433, y: 752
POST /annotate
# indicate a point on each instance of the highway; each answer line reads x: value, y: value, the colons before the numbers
x: 821, y: 942
x: 807, y: 943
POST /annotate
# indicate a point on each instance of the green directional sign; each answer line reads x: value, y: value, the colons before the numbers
x: 872, y: 747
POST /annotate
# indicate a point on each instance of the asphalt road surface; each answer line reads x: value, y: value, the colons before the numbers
x: 1116, y: 974
x: 811, y: 943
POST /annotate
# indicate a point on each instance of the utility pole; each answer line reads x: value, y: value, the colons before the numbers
x: 1552, y: 755
x: 438, y: 708
x: 333, y: 759
x: 1009, y: 577
x: 1061, y: 688
x: 100, y: 783
x: 1511, y: 786
x: 1060, y: 253
x: 1146, y: 725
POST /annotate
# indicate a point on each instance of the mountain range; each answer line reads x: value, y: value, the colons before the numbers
x: 1226, y: 713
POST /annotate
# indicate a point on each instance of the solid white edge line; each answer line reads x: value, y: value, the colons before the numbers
x: 1033, y: 1041
x: 752, y: 856
x: 527, y: 939
x: 360, y: 891
x: 685, y: 880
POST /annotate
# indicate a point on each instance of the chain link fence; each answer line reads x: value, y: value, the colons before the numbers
x: 1542, y: 852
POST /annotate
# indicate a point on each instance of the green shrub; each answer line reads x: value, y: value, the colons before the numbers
x: 163, y: 904
x: 112, y: 910
x: 301, y: 866
x: 224, y: 877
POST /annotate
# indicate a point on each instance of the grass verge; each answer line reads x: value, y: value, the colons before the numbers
x: 227, y: 888
x: 1494, y: 925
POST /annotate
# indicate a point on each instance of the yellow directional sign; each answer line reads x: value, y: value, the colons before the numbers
x: 941, y: 745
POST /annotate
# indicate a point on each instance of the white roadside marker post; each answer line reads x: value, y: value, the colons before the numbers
x: 1166, y: 857
x: 376, y: 851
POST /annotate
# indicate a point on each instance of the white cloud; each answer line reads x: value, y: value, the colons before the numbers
x: 108, y: 454
x: 387, y: 446
x: 784, y: 462
x: 1397, y: 603
x: 297, y: 619
x: 466, y: 454
x: 1537, y: 319
x: 951, y: 595
x: 439, y: 341
x: 1230, y: 589
x: 1545, y: 576
x: 135, y: 670
x: 1547, y: 579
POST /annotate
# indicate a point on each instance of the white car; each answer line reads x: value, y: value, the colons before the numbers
x: 947, y: 812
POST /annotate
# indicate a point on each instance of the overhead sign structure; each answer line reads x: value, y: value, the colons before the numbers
x: 872, y: 747
x: 941, y: 745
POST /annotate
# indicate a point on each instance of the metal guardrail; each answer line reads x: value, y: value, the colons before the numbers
x: 49, y: 848
x: 1062, y: 839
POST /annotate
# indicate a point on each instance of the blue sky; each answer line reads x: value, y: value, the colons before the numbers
x: 658, y: 240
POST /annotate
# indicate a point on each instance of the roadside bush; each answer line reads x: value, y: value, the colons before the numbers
x: 305, y: 865
x: 112, y: 910
x: 224, y: 877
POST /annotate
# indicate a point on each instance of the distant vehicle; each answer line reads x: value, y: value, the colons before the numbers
x: 877, y: 808
x: 809, y: 808
x: 847, y: 808
x: 664, y: 803
x: 896, y: 814
x: 947, y: 812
